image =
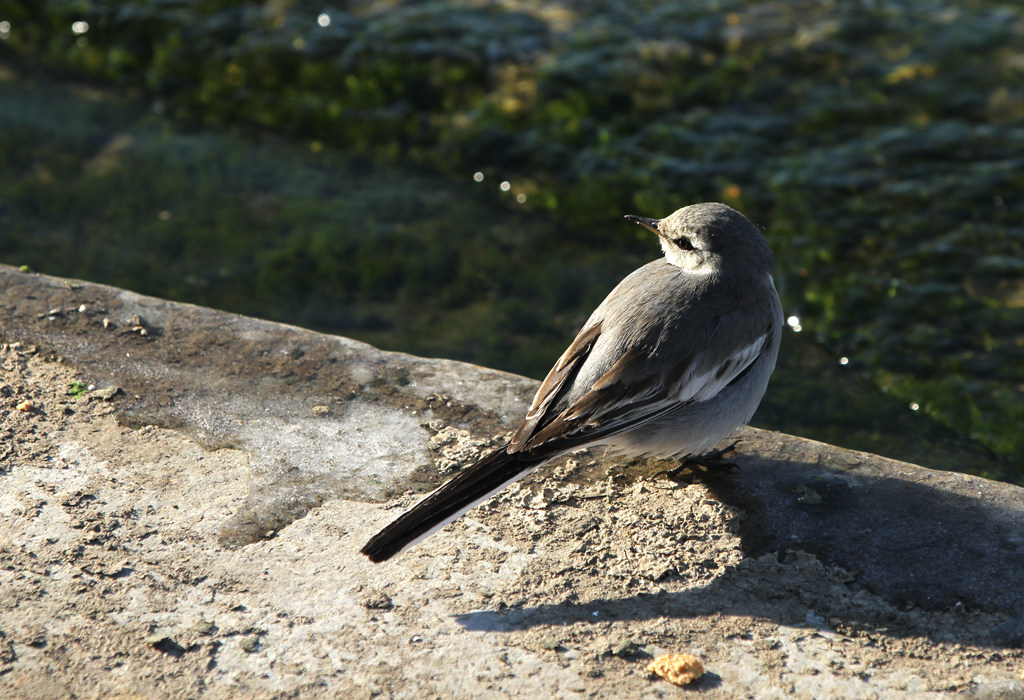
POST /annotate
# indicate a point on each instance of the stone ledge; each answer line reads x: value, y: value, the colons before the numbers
x: 198, y: 533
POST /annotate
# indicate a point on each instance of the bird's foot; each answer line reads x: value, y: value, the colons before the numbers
x: 708, y: 462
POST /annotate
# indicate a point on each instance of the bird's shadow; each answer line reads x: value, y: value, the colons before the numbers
x: 922, y: 541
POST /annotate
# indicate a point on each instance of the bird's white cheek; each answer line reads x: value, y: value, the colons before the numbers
x: 689, y: 260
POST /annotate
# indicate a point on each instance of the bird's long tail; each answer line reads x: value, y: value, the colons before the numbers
x: 468, y: 489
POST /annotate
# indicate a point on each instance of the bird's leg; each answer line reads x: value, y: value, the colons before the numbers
x: 710, y: 462
x: 716, y: 460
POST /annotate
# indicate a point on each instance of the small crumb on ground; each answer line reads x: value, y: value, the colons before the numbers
x: 680, y: 669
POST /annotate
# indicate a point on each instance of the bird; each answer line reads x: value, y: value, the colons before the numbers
x: 676, y: 357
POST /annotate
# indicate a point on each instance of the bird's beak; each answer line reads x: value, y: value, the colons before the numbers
x: 649, y: 224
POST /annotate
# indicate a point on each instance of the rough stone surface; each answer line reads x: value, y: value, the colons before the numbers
x: 196, y: 534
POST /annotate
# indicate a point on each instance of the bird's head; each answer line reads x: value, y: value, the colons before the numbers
x: 707, y: 237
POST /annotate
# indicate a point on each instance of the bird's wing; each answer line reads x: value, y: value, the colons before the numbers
x: 559, y: 379
x: 637, y: 388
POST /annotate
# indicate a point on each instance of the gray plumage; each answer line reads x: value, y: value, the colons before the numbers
x: 677, y: 356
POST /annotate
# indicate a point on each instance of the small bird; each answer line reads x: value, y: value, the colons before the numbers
x: 676, y: 357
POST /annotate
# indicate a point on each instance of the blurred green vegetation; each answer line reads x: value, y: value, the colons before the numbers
x: 878, y: 143
x: 104, y: 191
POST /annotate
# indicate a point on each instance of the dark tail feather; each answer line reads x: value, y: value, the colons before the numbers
x: 468, y: 489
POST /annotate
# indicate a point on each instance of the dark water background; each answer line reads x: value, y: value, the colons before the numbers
x: 449, y: 178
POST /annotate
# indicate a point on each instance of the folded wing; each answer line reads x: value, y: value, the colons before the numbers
x: 640, y: 386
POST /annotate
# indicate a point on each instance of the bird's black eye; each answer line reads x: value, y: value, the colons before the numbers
x: 684, y: 243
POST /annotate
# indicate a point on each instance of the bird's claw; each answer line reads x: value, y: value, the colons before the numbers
x: 709, y: 462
